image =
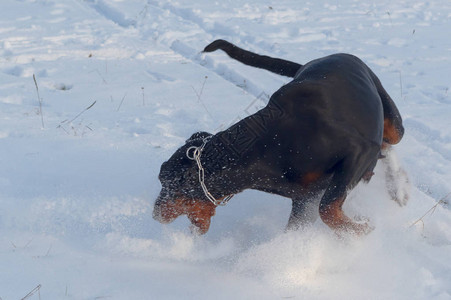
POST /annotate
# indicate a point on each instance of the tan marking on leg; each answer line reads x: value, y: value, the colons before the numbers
x: 334, y: 217
x: 333, y: 214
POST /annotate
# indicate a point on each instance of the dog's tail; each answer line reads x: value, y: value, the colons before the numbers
x: 393, y: 128
x: 275, y: 65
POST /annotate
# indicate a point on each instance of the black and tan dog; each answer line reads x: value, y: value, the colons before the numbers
x: 320, y: 134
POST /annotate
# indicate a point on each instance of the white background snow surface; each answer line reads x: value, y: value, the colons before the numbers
x: 77, y: 185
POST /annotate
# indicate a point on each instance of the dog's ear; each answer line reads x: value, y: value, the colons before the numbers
x: 198, y: 136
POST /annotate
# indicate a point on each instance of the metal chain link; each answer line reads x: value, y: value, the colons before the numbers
x: 197, y: 152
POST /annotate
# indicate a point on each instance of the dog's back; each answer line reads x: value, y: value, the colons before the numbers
x: 339, y: 70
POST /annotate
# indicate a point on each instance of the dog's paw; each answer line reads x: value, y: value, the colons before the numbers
x: 360, y: 228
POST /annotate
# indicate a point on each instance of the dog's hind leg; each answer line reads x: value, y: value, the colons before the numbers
x: 275, y: 65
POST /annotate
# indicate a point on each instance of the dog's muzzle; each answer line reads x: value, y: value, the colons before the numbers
x: 163, y: 212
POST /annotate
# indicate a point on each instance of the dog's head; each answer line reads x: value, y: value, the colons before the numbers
x: 181, y: 193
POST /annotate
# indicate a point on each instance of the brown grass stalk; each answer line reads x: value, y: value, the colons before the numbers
x: 39, y: 99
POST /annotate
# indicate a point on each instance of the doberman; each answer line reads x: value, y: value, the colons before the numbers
x: 320, y: 134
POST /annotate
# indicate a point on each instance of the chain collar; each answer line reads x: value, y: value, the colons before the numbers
x: 196, y: 153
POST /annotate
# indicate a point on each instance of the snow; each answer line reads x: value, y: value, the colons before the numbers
x: 77, y: 193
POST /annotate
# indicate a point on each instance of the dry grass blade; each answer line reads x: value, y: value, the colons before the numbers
x: 199, y: 96
x: 36, y: 289
x: 39, y: 99
x: 144, y: 100
x: 431, y: 210
x: 122, y: 101
x: 87, y: 108
x: 400, y: 84
x: 75, y: 128
x: 77, y: 116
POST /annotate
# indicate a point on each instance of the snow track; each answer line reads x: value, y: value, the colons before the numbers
x: 76, y: 196
x: 107, y: 11
x: 206, y: 33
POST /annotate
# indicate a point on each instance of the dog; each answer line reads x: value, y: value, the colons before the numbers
x: 320, y: 134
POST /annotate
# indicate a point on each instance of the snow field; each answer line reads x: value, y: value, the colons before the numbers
x: 76, y: 194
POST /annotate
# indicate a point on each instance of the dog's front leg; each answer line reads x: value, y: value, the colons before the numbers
x: 331, y: 205
x: 303, y: 213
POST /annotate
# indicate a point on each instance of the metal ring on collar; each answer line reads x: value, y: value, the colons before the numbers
x: 195, y: 151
